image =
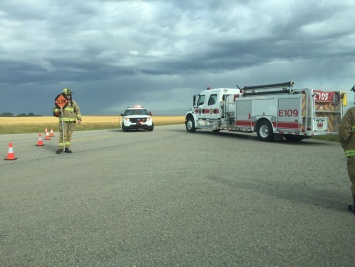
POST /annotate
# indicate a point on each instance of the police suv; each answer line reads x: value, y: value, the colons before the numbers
x: 135, y: 118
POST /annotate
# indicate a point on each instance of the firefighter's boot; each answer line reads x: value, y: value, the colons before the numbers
x: 67, y: 150
x: 59, y: 151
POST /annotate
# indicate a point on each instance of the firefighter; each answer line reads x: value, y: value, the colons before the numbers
x: 67, y: 121
x: 347, y: 141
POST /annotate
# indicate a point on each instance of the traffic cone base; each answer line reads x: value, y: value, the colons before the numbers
x: 40, y: 142
x: 10, y: 154
x: 47, y: 136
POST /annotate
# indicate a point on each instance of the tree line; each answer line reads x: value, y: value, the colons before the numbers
x: 9, y: 114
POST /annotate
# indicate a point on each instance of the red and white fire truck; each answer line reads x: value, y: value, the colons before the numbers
x: 273, y: 111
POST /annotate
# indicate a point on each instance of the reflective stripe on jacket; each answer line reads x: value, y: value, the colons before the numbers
x: 70, y: 113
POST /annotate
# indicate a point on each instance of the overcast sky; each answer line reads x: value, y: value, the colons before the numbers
x: 115, y: 54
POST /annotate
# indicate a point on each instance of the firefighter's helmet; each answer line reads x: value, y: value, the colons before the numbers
x: 67, y: 91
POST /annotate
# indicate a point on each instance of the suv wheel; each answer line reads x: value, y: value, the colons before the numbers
x: 151, y: 127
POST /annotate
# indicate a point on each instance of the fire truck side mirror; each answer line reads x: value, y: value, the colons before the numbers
x: 194, y: 101
x: 150, y: 113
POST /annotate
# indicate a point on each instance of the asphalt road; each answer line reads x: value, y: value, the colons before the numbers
x: 172, y: 198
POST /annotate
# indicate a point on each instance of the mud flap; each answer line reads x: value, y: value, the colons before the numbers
x: 278, y: 137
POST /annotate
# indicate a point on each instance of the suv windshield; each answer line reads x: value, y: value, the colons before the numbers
x: 129, y: 112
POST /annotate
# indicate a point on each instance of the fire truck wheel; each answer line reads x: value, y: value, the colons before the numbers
x: 190, y: 124
x: 124, y: 129
x: 265, y: 132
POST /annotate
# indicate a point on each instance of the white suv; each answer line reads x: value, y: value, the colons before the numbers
x: 135, y: 118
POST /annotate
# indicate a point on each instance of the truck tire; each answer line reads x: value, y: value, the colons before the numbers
x: 124, y: 129
x: 190, y: 124
x: 265, y: 132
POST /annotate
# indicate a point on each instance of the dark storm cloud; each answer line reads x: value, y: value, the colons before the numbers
x: 158, y: 53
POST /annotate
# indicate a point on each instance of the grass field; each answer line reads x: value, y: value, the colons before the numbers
x: 16, y: 125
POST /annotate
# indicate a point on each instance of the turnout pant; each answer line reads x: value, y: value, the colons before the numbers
x: 351, y: 172
x: 66, y: 130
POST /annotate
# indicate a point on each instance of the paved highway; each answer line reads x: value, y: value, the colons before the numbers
x: 172, y: 198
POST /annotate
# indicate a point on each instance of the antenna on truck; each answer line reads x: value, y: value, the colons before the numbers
x: 258, y: 89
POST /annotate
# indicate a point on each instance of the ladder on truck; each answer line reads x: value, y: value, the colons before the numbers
x: 259, y: 89
x: 228, y: 99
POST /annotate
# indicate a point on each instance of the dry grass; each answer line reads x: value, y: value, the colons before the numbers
x: 14, y: 125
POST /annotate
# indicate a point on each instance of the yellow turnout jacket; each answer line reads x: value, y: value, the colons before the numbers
x: 346, y: 130
x: 70, y: 113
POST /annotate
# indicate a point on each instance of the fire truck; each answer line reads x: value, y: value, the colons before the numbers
x: 273, y: 111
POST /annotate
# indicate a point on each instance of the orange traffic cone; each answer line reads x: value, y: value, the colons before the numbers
x: 45, y: 131
x: 51, y: 133
x: 47, y: 136
x: 10, y: 154
x: 40, y: 142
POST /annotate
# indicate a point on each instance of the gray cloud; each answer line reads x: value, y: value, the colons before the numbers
x: 113, y: 54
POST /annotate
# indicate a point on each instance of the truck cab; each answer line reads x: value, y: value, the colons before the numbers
x: 210, y: 107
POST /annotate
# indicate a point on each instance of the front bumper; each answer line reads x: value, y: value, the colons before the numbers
x: 138, y: 126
